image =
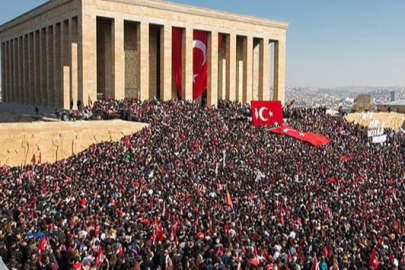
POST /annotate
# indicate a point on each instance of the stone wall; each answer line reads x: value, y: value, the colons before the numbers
x: 57, y: 140
x: 131, y: 64
x: 131, y: 59
x: 6, y: 117
x: 392, y: 120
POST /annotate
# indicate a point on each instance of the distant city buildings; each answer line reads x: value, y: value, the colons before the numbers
x: 333, y: 98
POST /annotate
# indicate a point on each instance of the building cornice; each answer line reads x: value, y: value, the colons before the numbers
x: 38, y: 11
x: 205, y: 12
x: 155, y: 4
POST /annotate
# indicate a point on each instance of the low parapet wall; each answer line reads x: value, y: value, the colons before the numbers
x: 392, y: 120
x: 8, y: 117
x: 19, y: 142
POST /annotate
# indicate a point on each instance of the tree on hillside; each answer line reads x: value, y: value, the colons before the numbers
x: 362, y: 102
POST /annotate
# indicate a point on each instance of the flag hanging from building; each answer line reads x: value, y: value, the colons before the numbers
x: 200, y: 55
x: 266, y: 113
x: 200, y: 60
x: 312, y: 138
x: 177, y: 47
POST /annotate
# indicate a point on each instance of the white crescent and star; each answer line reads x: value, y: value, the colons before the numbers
x: 200, y: 45
x: 261, y: 114
x: 288, y: 129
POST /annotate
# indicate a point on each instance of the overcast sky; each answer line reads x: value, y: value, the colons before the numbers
x: 329, y: 43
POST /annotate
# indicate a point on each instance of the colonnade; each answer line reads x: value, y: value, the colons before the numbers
x: 40, y: 67
x: 224, y: 79
x: 65, y: 60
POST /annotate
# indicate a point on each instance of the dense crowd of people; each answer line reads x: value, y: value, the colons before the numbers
x: 202, y: 188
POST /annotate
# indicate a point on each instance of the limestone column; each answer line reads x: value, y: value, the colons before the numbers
x: 118, y: 72
x: 10, y: 68
x: 49, y: 67
x: 65, y: 55
x: 187, y: 64
x: 143, y: 59
x: 10, y: 64
x: 7, y: 63
x: 279, y: 71
x: 231, y: 67
x: 9, y: 72
x: 256, y: 68
x: 222, y: 70
x: 13, y: 88
x: 264, y: 70
x: 31, y: 74
x: 3, y: 72
x: 4, y: 62
x: 212, y: 70
x: 22, y: 70
x: 239, y: 78
x: 8, y: 60
x: 42, y: 65
x: 74, y: 76
x: 247, y: 69
x: 37, y: 68
x: 88, y: 53
x: 19, y: 71
x: 166, y: 61
x: 57, y: 66
x: 12, y: 81
x: 15, y: 70
x: 26, y: 70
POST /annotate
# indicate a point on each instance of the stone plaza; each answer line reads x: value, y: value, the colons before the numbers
x: 69, y: 50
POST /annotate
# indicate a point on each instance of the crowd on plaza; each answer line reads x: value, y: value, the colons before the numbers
x: 202, y: 188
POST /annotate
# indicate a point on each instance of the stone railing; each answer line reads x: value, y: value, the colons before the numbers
x: 57, y: 140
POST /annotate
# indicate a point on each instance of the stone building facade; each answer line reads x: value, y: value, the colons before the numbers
x: 68, y: 50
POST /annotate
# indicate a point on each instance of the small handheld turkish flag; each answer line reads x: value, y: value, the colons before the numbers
x: 267, y: 113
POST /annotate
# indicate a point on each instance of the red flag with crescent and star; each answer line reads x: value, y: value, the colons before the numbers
x: 312, y: 138
x: 200, y: 54
x: 266, y: 113
x: 200, y: 59
x: 177, y: 47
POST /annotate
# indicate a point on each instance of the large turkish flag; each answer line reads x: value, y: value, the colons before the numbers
x: 177, y: 49
x: 266, y: 113
x: 200, y: 59
x: 312, y: 138
x: 200, y: 54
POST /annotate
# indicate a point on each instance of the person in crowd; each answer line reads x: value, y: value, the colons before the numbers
x: 202, y: 188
